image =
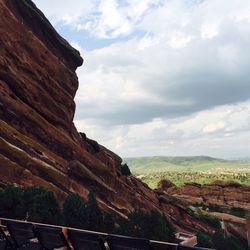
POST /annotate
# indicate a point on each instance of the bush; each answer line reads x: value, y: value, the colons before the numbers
x: 215, y: 208
x: 125, y: 170
x: 211, y: 220
x: 240, y: 212
x: 204, y: 240
x: 190, y: 211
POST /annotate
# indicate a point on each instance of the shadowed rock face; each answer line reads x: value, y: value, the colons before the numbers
x: 39, y: 143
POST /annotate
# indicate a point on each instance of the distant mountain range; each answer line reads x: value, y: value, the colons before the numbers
x: 145, y: 165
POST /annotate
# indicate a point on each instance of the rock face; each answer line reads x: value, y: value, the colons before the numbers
x: 224, y: 194
x: 39, y: 143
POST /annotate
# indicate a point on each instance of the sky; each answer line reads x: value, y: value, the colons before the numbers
x: 161, y: 77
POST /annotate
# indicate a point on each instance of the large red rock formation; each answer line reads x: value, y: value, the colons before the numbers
x: 39, y: 143
x: 223, y: 194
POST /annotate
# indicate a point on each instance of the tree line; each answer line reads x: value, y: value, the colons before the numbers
x: 39, y: 204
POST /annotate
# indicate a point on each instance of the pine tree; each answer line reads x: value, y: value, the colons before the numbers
x: 233, y: 243
x: 151, y: 225
x: 204, y: 240
x: 94, y: 218
x: 138, y: 221
x: 108, y: 223
x: 11, y: 203
x: 29, y: 195
x: 218, y: 240
x: 74, y: 211
x: 45, y: 209
x: 159, y: 227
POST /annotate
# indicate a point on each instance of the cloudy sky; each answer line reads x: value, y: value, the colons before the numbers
x: 161, y: 77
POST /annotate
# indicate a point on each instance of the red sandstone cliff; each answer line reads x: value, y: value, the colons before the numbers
x: 222, y: 194
x: 39, y: 143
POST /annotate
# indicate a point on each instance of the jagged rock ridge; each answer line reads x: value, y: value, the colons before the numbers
x: 39, y: 143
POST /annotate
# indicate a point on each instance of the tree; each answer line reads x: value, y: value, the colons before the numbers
x: 229, y: 243
x: 29, y: 195
x: 108, y: 223
x: 74, y: 211
x: 94, y: 218
x: 204, y: 240
x: 151, y: 225
x: 125, y: 170
x: 125, y: 227
x: 233, y: 243
x: 45, y: 208
x: 211, y: 220
x: 159, y: 228
x: 11, y: 203
x: 218, y: 240
x: 138, y: 221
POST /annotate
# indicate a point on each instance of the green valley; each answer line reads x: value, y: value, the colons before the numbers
x: 179, y: 170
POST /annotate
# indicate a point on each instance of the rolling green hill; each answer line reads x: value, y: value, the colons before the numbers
x: 179, y: 170
x: 145, y: 165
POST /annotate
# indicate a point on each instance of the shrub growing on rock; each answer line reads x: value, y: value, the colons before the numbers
x: 211, y: 220
x: 125, y: 170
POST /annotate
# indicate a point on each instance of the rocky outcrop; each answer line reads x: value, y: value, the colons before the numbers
x: 165, y: 185
x: 39, y: 143
x: 223, y: 194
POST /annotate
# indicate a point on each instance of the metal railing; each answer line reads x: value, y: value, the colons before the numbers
x: 153, y: 244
